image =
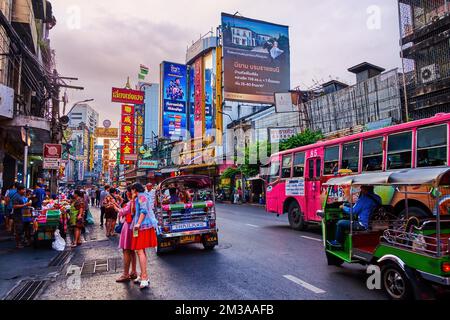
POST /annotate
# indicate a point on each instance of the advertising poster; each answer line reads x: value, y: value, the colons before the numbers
x: 191, y: 101
x: 198, y: 98
x: 256, y: 59
x: 174, y: 77
x: 209, y: 96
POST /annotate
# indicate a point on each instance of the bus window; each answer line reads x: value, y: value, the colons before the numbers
x: 432, y: 146
x: 331, y: 162
x: 318, y: 167
x: 287, y: 166
x: 399, y: 151
x: 299, y: 165
x: 350, y: 156
x: 311, y: 169
x: 373, y: 154
x: 274, y: 171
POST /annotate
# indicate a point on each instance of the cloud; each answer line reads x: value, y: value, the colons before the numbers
x: 327, y: 37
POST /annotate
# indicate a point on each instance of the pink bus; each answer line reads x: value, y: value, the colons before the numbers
x: 296, y: 176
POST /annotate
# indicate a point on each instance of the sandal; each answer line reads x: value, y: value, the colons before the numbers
x: 137, y: 280
x: 144, y: 284
x: 133, y: 276
x: 123, y: 279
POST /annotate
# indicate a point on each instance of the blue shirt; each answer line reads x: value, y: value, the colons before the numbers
x: 364, y: 207
x: 40, y: 196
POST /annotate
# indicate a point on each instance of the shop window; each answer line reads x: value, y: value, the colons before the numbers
x: 350, y: 156
x: 432, y: 146
x: 373, y: 154
x: 287, y: 166
x: 299, y: 165
x: 399, y: 151
x: 331, y: 160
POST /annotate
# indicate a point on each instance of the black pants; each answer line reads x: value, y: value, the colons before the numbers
x: 102, y: 215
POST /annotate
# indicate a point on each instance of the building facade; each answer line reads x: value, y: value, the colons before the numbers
x: 84, y: 113
x: 425, y: 41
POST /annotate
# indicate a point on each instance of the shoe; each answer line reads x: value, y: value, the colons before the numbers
x: 144, y: 284
x: 133, y: 276
x: 335, y: 244
x: 137, y: 280
x: 123, y: 279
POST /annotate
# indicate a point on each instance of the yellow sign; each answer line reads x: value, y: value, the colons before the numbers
x: 112, y: 133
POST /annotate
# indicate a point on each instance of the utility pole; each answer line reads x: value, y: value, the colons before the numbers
x: 56, y: 130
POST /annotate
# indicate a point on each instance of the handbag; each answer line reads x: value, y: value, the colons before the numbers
x: 118, y: 228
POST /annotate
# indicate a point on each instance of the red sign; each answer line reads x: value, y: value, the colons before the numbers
x: 52, y: 151
x: 128, y: 96
x: 198, y: 106
x: 127, y: 135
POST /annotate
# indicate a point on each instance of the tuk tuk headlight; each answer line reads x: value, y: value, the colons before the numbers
x: 446, y: 267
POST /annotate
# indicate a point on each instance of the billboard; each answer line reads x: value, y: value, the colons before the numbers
x: 127, y: 96
x: 256, y: 58
x: 174, y: 100
x: 111, y: 133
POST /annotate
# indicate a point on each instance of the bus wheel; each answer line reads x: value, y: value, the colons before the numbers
x: 395, y: 282
x: 295, y: 215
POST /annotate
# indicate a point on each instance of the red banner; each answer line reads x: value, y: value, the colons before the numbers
x: 127, y: 96
x: 127, y: 134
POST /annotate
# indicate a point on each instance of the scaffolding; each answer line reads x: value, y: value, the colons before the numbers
x: 425, y: 53
x: 377, y: 98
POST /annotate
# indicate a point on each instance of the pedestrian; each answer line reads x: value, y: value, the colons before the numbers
x: 92, y: 194
x: 126, y: 237
x: 110, y: 202
x: 19, y: 204
x: 38, y: 196
x: 103, y: 195
x: 9, y: 222
x: 97, y: 197
x: 77, y: 212
x: 144, y: 231
x: 151, y: 194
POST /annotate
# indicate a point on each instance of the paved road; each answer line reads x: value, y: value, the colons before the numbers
x: 259, y: 257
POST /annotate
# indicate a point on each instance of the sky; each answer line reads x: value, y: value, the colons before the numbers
x: 102, y: 42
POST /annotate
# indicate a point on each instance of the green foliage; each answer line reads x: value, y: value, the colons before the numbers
x: 302, y: 139
x: 229, y: 173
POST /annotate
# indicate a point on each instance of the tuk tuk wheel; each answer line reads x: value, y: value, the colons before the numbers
x: 295, y: 216
x: 395, y: 282
x: 209, y: 247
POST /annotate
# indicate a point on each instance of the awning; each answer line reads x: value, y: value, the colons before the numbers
x: 255, y: 178
x: 424, y: 176
x: 169, y: 170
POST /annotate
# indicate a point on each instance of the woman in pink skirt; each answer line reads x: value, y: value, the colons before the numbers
x: 126, y: 236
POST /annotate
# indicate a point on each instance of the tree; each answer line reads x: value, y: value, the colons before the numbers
x: 302, y: 139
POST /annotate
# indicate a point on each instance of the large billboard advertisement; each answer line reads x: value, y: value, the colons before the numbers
x: 256, y: 59
x: 174, y: 101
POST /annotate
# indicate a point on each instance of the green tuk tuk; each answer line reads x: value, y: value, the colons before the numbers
x: 412, y: 251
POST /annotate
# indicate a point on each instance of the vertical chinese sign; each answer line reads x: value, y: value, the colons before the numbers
x: 106, y: 145
x: 127, y: 135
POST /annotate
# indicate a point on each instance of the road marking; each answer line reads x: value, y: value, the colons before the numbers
x: 311, y: 238
x: 251, y: 225
x: 304, y: 284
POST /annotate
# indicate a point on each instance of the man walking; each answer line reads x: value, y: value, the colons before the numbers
x: 103, y: 195
x: 92, y: 194
x: 38, y: 196
x: 97, y: 197
x: 19, y: 204
x: 151, y: 194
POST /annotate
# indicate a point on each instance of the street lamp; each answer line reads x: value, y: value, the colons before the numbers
x: 221, y: 112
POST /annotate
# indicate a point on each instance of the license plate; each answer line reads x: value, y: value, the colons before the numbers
x: 189, y: 226
x: 187, y: 239
x: 211, y: 238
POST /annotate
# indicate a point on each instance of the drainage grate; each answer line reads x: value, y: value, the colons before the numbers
x: 99, y: 266
x: 60, y: 259
x: 28, y: 291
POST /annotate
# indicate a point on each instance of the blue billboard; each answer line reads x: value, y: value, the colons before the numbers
x: 174, y: 96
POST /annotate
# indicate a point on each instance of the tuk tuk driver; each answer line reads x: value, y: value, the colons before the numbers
x: 367, y: 202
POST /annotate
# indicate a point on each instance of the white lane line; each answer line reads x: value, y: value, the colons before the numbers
x: 251, y: 225
x: 304, y: 284
x: 311, y: 238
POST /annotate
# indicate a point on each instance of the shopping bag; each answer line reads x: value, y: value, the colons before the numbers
x: 89, y: 218
x: 59, y: 244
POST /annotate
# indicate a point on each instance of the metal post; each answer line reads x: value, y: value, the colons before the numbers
x: 25, y: 159
x: 438, y: 225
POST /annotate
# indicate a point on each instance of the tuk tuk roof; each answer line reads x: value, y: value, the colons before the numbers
x: 192, y: 181
x: 423, y: 176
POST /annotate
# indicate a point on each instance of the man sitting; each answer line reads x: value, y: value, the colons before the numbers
x: 367, y: 202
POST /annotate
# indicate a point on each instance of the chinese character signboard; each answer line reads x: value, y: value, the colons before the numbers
x: 110, y: 133
x: 127, y: 135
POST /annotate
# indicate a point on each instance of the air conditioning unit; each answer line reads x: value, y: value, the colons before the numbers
x: 429, y: 73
